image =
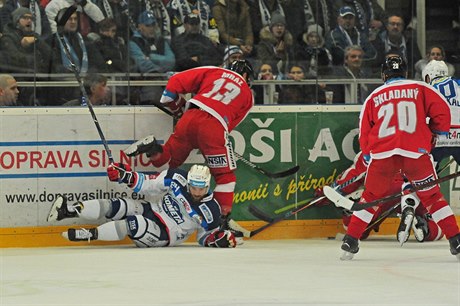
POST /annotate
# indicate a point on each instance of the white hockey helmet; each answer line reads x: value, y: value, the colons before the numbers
x: 199, y: 176
x: 435, y: 69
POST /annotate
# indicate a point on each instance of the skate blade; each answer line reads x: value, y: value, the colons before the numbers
x: 53, y: 214
x: 347, y: 256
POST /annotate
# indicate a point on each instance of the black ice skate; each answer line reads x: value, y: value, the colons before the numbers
x: 60, y: 211
x: 83, y: 234
x: 454, y: 243
x: 147, y: 145
x: 407, y: 217
x: 420, y: 228
x: 350, y: 246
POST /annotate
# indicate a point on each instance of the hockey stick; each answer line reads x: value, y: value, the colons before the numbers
x: 240, y: 157
x: 341, y: 201
x: 393, y: 209
x: 265, y: 172
x: 61, y: 23
x: 263, y: 216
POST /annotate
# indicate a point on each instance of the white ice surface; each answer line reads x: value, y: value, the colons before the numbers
x: 282, y: 272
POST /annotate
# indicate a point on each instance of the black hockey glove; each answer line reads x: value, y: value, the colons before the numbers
x: 221, y: 239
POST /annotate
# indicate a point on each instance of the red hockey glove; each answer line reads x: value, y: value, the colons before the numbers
x: 221, y: 239
x: 177, y: 107
x: 122, y: 173
x: 319, y: 193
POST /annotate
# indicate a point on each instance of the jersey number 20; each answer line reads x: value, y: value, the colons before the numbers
x: 406, y: 118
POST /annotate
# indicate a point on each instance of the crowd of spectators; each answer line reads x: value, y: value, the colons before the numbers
x: 148, y: 39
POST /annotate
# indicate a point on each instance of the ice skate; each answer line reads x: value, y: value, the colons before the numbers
x: 407, y: 217
x: 350, y: 246
x: 420, y: 228
x: 147, y: 145
x: 82, y: 234
x: 59, y: 210
x: 454, y: 243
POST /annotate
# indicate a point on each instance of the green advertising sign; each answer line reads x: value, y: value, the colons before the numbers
x: 322, y: 143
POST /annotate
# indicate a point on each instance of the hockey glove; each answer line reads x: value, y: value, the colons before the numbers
x: 148, y: 145
x: 221, y: 239
x: 121, y: 173
x: 177, y: 107
x: 318, y: 194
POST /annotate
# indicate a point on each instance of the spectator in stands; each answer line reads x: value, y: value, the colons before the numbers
x: 150, y: 51
x: 8, y: 90
x: 194, y: 46
x: 310, y: 51
x: 261, y: 12
x: 159, y: 11
x: 276, y: 44
x: 112, y: 48
x: 434, y: 53
x: 82, y: 55
x: 352, y: 68
x: 118, y: 11
x: 114, y: 54
x: 96, y: 88
x: 297, y: 94
x: 179, y: 9
x: 234, y: 24
x: 263, y: 93
x: 370, y: 15
x: 232, y: 53
x: 151, y: 54
x: 41, y: 24
x: 89, y: 17
x: 347, y: 34
x: 392, y: 39
x: 24, y: 51
x: 305, y: 13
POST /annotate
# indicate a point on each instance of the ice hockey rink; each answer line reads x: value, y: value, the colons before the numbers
x: 263, y: 272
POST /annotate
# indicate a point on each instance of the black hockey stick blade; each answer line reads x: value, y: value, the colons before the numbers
x: 256, y: 212
x: 284, y: 173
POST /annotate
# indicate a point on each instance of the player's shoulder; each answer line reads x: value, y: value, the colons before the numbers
x: 177, y: 175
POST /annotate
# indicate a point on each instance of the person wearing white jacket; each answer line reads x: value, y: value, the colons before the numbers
x: 89, y: 8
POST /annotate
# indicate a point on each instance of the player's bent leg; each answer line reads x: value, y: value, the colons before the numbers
x: 120, y: 208
x: 146, y: 233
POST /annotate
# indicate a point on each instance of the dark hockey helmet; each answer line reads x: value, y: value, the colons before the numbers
x: 241, y: 67
x: 394, y: 66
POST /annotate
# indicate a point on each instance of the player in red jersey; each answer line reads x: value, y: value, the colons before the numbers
x: 222, y: 99
x: 423, y: 226
x: 395, y: 138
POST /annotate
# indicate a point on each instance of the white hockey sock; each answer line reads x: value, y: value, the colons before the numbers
x: 94, y: 209
x: 112, y: 231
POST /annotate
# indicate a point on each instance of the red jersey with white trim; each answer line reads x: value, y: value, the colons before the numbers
x: 393, y: 119
x: 222, y: 93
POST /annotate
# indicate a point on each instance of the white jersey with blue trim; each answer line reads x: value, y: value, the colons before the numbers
x: 181, y: 215
x: 450, y: 89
